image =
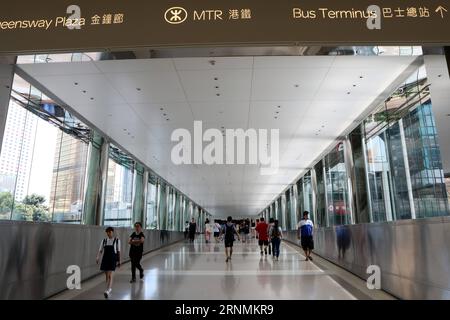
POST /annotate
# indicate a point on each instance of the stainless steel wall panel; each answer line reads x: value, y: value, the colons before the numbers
x: 413, y: 255
x: 35, y: 256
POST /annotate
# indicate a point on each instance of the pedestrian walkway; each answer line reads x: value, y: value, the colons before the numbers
x: 198, y: 271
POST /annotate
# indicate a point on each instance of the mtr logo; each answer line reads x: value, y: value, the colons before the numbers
x: 178, y: 15
x: 175, y: 15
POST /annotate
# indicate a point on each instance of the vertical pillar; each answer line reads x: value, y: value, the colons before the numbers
x: 283, y: 211
x: 6, y: 82
x: 138, y: 201
x: 97, y: 172
x: 407, y: 172
x: 146, y: 180
x: 314, y: 195
x: 294, y: 206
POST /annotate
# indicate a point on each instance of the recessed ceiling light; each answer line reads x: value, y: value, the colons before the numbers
x: 297, y: 85
x: 216, y: 79
x: 138, y: 89
x: 218, y: 94
x: 354, y: 85
x: 76, y: 83
x: 276, y: 117
x: 84, y: 91
x: 161, y: 109
x: 168, y: 119
x: 439, y: 75
x: 164, y: 114
x: 279, y: 107
x: 361, y: 77
x: 348, y: 92
x: 217, y: 87
x: 92, y: 98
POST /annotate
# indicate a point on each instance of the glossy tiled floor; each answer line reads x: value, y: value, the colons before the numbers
x: 199, y: 271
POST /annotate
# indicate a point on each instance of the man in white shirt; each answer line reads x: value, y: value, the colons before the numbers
x: 305, y: 234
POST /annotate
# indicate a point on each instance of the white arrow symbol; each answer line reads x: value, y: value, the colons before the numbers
x: 441, y: 10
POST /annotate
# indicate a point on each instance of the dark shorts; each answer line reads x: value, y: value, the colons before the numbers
x: 307, y: 242
x: 216, y: 234
x: 229, y: 243
x: 263, y: 242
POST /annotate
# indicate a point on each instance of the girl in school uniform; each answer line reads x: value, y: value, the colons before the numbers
x: 110, y: 248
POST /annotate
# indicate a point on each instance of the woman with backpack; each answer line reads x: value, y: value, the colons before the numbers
x: 110, y: 249
x: 276, y: 234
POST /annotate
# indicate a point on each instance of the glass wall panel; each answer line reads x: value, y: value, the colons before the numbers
x: 178, y: 225
x: 321, y: 210
x: 307, y: 196
x: 43, y: 159
x: 337, y: 187
x: 162, y: 206
x: 171, y: 209
x: 66, y: 199
x: 400, y: 195
x: 119, y: 189
x: 152, y: 217
x: 379, y: 178
x: 425, y: 165
x: 292, y: 210
x: 360, y: 184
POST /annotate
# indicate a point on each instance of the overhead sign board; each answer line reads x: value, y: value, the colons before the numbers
x: 45, y: 26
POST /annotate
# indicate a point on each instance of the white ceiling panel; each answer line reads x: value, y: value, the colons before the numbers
x: 308, y: 95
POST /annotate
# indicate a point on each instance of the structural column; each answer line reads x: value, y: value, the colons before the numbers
x: 97, y: 172
x: 356, y: 168
x: 139, y: 195
x: 6, y: 81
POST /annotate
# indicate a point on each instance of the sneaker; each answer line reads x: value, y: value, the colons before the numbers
x: 306, y: 259
x: 106, y: 294
x: 261, y: 253
x: 265, y: 252
x: 141, y: 275
x: 133, y: 280
x: 310, y: 258
x: 227, y: 259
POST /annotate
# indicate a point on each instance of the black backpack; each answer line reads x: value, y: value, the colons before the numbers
x: 275, y: 232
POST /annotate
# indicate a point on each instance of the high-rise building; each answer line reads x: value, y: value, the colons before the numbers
x: 68, y: 178
x: 16, y: 158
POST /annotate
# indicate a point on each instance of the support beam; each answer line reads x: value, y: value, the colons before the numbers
x: 139, y: 196
x: 97, y: 172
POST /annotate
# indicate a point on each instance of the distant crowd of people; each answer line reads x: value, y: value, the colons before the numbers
x: 269, y: 235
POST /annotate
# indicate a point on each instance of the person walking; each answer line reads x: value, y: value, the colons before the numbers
x: 192, y: 230
x: 246, y: 230
x: 229, y: 230
x: 110, y: 252
x: 305, y: 234
x: 136, y: 243
x: 216, y: 230
x: 263, y: 235
x: 276, y: 234
x: 186, y: 230
x: 271, y: 223
x: 207, y: 231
